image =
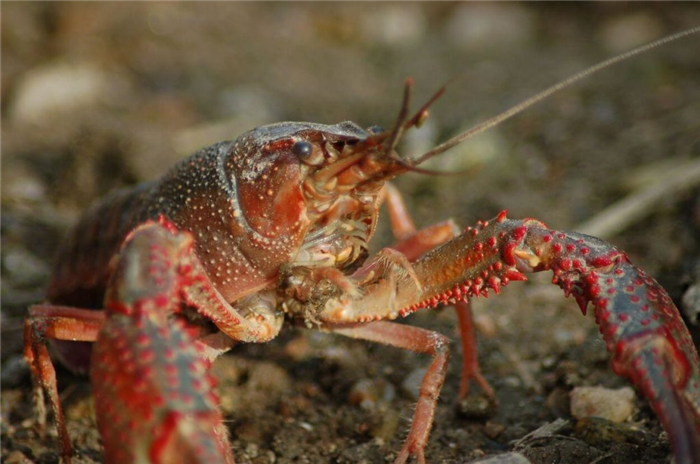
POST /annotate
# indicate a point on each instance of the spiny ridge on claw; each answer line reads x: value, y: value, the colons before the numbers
x: 582, y: 302
x: 476, y: 287
x: 477, y: 264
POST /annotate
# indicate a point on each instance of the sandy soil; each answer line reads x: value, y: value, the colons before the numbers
x: 99, y: 96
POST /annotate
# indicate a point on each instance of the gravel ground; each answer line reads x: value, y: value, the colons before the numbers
x: 99, y: 96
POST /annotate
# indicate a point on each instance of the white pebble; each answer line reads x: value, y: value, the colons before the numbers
x: 61, y: 88
x: 613, y: 405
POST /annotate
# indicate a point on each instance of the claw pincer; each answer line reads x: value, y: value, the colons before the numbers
x: 641, y: 326
x: 153, y: 392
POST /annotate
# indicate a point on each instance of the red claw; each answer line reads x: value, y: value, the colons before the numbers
x: 147, y: 395
x: 642, y: 328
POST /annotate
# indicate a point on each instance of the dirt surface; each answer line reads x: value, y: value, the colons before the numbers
x: 99, y: 96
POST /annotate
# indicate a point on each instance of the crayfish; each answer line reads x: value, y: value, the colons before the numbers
x: 275, y: 226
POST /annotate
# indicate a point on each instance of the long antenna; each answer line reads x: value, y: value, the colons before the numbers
x: 479, y: 128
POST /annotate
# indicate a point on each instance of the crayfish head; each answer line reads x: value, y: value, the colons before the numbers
x: 343, y: 172
x: 316, y: 185
x: 342, y: 184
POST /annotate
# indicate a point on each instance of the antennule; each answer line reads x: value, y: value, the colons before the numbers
x: 401, y: 120
x: 419, y: 118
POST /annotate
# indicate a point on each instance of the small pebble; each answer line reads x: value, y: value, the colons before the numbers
x: 600, y: 432
x: 370, y: 393
x: 485, y: 325
x: 493, y: 429
x: 549, y: 429
x: 613, y: 405
x: 61, y: 88
x: 411, y: 384
x: 14, y: 369
x: 395, y: 25
x: 422, y: 140
x: 507, y: 458
x: 386, y: 429
x: 306, y: 426
x: 299, y: 349
x: 476, y: 406
x: 248, y: 385
x: 558, y: 401
x: 252, y: 450
x: 17, y: 457
x: 512, y: 381
x: 23, y: 186
x: 623, y: 33
x: 691, y: 304
x: 24, y: 268
x: 471, y: 25
x: 484, y: 150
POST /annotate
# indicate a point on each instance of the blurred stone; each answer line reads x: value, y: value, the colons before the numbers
x: 476, y: 406
x: 562, y: 336
x: 549, y: 429
x: 507, y: 458
x: 601, y: 432
x: 386, y: 429
x: 558, y: 401
x: 17, y: 457
x: 61, y: 88
x: 623, y: 33
x: 9, y: 401
x: 81, y: 405
x: 482, y: 150
x: 188, y: 141
x: 248, y: 101
x: 418, y: 141
x: 493, y: 429
x: 479, y: 25
x: 252, y: 450
x: 23, y: 186
x: 299, y: 348
x: 246, y: 387
x: 268, y: 376
x: 613, y: 405
x: 512, y: 381
x: 14, y: 369
x: 370, y: 393
x: 412, y: 382
x: 394, y: 24
x: 690, y: 302
x: 23, y: 268
x: 485, y: 325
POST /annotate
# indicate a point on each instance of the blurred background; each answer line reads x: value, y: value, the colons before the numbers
x: 97, y: 96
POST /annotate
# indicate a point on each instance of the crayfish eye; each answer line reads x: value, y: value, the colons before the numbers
x: 307, y: 153
x: 302, y: 149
